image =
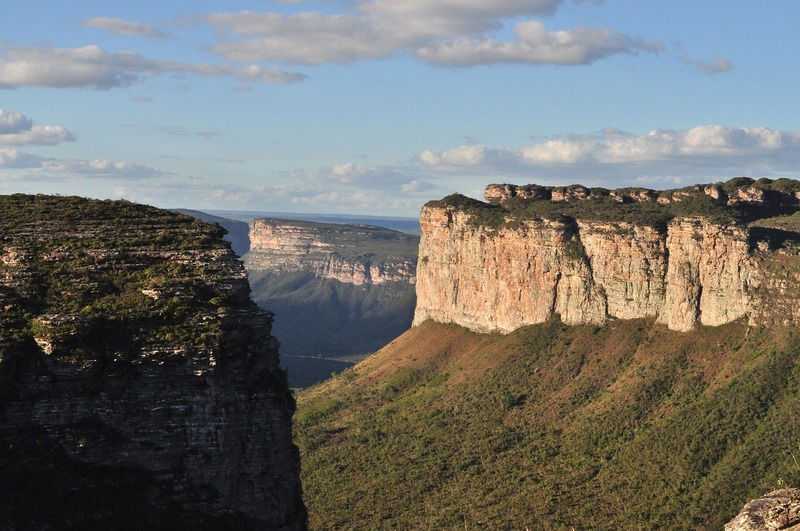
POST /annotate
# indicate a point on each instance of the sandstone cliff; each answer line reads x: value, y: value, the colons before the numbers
x: 139, y: 385
x: 355, y: 254
x: 686, y: 257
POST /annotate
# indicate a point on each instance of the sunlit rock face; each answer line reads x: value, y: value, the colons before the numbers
x: 139, y: 384
x: 340, y: 252
x: 522, y: 260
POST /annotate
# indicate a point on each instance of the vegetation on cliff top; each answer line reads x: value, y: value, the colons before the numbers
x: 73, y: 267
x: 628, y: 426
x: 601, y: 206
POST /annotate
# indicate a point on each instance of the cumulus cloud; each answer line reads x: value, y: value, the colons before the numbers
x: 450, y: 32
x: 16, y: 129
x: 701, y: 150
x: 714, y: 66
x: 13, y: 122
x: 35, y: 165
x: 92, y: 67
x: 124, y: 27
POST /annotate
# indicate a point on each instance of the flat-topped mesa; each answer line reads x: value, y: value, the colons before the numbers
x: 702, y: 255
x: 354, y: 254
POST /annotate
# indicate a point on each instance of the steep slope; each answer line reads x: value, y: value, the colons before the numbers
x: 340, y: 291
x: 625, y: 426
x: 139, y: 385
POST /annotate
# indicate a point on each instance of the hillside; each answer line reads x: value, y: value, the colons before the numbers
x: 628, y: 360
x: 139, y: 384
x: 624, y: 426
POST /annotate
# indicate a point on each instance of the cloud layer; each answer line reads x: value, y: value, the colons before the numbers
x: 38, y: 166
x: 16, y: 129
x: 92, y: 67
x: 448, y: 32
x: 699, y: 151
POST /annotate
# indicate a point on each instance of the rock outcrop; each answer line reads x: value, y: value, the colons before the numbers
x: 354, y: 254
x: 590, y: 256
x: 139, y: 385
x: 780, y: 509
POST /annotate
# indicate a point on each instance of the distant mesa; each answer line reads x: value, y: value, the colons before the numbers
x: 340, y: 291
x: 354, y: 254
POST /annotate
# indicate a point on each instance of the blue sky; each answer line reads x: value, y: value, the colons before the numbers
x: 375, y: 106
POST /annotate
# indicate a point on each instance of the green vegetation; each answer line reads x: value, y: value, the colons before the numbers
x: 686, y: 202
x: 108, y: 274
x: 628, y: 426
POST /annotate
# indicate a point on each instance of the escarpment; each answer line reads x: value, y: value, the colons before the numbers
x: 139, y: 384
x: 703, y: 255
x: 354, y: 254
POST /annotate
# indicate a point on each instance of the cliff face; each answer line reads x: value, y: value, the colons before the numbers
x: 139, y: 385
x: 497, y: 268
x: 348, y: 253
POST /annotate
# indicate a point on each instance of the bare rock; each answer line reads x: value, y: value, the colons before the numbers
x: 780, y: 509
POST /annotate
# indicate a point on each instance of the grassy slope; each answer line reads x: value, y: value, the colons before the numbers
x: 625, y: 426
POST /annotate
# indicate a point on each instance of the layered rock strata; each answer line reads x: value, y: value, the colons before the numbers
x: 493, y: 269
x: 354, y: 254
x: 139, y: 385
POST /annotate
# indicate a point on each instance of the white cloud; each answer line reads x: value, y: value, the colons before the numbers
x: 451, y: 32
x: 16, y: 129
x: 13, y: 159
x: 13, y: 122
x: 37, y: 166
x: 92, y: 67
x: 718, y: 65
x: 535, y: 45
x: 467, y: 155
x: 702, y: 150
x: 124, y: 27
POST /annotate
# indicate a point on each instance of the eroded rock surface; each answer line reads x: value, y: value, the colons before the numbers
x: 348, y: 253
x: 780, y: 509
x: 687, y: 261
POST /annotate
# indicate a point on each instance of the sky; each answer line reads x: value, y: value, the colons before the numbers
x: 375, y: 106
